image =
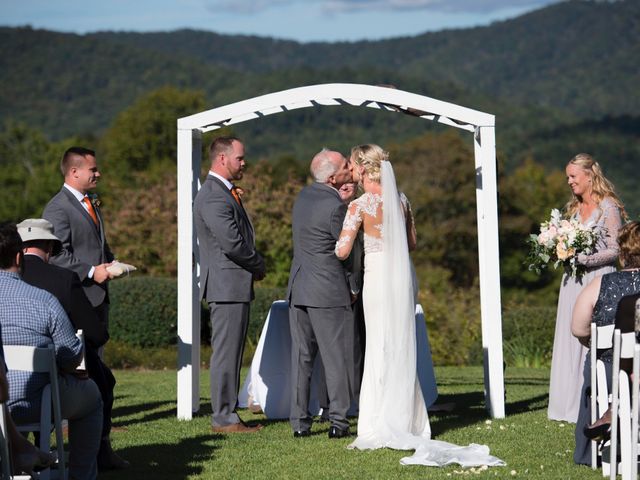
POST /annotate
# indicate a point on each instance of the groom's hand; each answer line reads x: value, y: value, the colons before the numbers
x: 354, y: 297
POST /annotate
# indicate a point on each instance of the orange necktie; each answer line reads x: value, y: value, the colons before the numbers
x: 234, y: 192
x: 92, y: 212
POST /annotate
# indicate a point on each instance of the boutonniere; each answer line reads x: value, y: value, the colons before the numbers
x: 95, y: 201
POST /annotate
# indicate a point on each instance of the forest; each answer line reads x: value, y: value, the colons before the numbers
x: 555, y: 89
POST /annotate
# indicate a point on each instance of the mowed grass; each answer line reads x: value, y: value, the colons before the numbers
x: 161, y: 447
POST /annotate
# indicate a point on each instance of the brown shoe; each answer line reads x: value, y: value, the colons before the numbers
x: 236, y: 428
x: 255, y: 408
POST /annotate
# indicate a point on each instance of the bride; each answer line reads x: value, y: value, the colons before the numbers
x: 393, y: 413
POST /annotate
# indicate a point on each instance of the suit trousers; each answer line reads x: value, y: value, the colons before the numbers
x: 102, y: 311
x: 229, y: 323
x: 105, y: 381
x: 582, y: 452
x: 356, y: 364
x: 326, y: 331
x: 81, y: 404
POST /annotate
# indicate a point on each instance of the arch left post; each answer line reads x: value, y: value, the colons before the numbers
x: 188, y: 166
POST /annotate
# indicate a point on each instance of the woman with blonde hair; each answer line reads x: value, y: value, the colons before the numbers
x: 393, y: 413
x: 595, y: 204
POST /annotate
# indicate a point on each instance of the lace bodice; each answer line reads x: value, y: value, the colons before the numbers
x: 366, y: 212
x: 614, y: 286
x: 607, y: 218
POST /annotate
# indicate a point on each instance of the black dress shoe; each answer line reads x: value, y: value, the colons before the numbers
x: 301, y: 433
x: 598, y: 432
x: 337, y: 432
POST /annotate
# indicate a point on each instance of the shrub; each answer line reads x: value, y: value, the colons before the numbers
x: 143, y: 311
x: 528, y: 335
x: 453, y: 325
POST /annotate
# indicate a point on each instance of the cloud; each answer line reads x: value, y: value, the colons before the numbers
x: 361, y: 6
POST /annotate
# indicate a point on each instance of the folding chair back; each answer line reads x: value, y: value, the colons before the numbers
x: 634, y: 411
x: 623, y: 348
x: 41, y: 360
x: 601, y: 338
x: 4, y: 445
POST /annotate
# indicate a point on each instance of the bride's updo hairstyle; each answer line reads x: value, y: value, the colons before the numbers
x: 629, y: 241
x: 369, y: 156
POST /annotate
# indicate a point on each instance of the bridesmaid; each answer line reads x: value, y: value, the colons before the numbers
x: 594, y: 203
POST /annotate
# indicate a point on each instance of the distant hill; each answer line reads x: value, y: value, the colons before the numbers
x: 560, y: 80
x: 577, y: 56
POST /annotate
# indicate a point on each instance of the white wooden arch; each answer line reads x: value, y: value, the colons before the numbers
x: 481, y: 125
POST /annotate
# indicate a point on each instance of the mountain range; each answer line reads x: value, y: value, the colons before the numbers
x: 560, y: 80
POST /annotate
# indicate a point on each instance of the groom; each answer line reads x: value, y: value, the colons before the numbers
x: 320, y: 314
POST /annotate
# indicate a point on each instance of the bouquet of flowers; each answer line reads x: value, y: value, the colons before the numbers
x: 559, y: 242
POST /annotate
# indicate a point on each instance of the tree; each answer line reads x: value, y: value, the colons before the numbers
x: 143, y: 137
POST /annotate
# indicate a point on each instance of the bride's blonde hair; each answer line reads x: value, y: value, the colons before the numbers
x: 370, y: 156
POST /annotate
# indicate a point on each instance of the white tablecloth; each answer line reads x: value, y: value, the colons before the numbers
x: 268, y: 380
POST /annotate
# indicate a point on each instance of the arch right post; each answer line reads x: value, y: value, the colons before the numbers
x: 489, y: 268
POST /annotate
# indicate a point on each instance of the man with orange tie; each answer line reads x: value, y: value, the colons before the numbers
x: 77, y: 222
x: 229, y: 263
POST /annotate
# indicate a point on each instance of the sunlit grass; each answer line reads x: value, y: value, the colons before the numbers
x: 161, y: 447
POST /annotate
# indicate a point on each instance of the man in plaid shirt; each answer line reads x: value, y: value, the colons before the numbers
x: 30, y: 316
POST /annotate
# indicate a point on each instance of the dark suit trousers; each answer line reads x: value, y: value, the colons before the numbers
x: 582, y: 452
x: 356, y: 364
x: 229, y: 323
x: 327, y: 331
x: 104, y: 379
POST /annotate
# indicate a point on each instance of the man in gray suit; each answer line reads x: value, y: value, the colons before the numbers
x: 229, y: 263
x: 320, y: 313
x: 77, y: 222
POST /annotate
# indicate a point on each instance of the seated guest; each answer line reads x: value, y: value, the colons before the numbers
x: 598, y: 303
x: 39, y: 244
x: 628, y: 315
x: 30, y: 316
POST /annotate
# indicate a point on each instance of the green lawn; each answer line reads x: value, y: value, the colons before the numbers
x: 161, y: 447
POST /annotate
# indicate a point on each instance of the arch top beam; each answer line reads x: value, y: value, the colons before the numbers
x: 353, y: 94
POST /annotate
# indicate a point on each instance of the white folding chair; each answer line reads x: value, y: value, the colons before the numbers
x: 4, y: 444
x: 42, y: 360
x: 80, y: 336
x: 623, y: 348
x: 634, y: 411
x: 601, y: 338
x: 5, y: 470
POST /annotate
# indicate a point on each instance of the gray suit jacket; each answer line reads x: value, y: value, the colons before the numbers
x: 83, y: 244
x: 228, y: 257
x: 317, y: 277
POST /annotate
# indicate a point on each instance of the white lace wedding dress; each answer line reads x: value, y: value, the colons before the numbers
x: 392, y: 410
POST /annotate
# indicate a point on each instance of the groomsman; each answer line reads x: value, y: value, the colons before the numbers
x: 229, y: 263
x: 77, y: 222
x: 320, y: 314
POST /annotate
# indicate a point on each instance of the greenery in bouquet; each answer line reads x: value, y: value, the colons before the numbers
x: 559, y: 243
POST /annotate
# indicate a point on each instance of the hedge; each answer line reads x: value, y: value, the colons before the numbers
x: 144, y: 312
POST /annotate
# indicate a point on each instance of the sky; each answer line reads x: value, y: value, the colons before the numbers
x: 301, y: 20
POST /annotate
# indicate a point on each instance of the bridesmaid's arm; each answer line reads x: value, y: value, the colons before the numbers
x: 612, y: 223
